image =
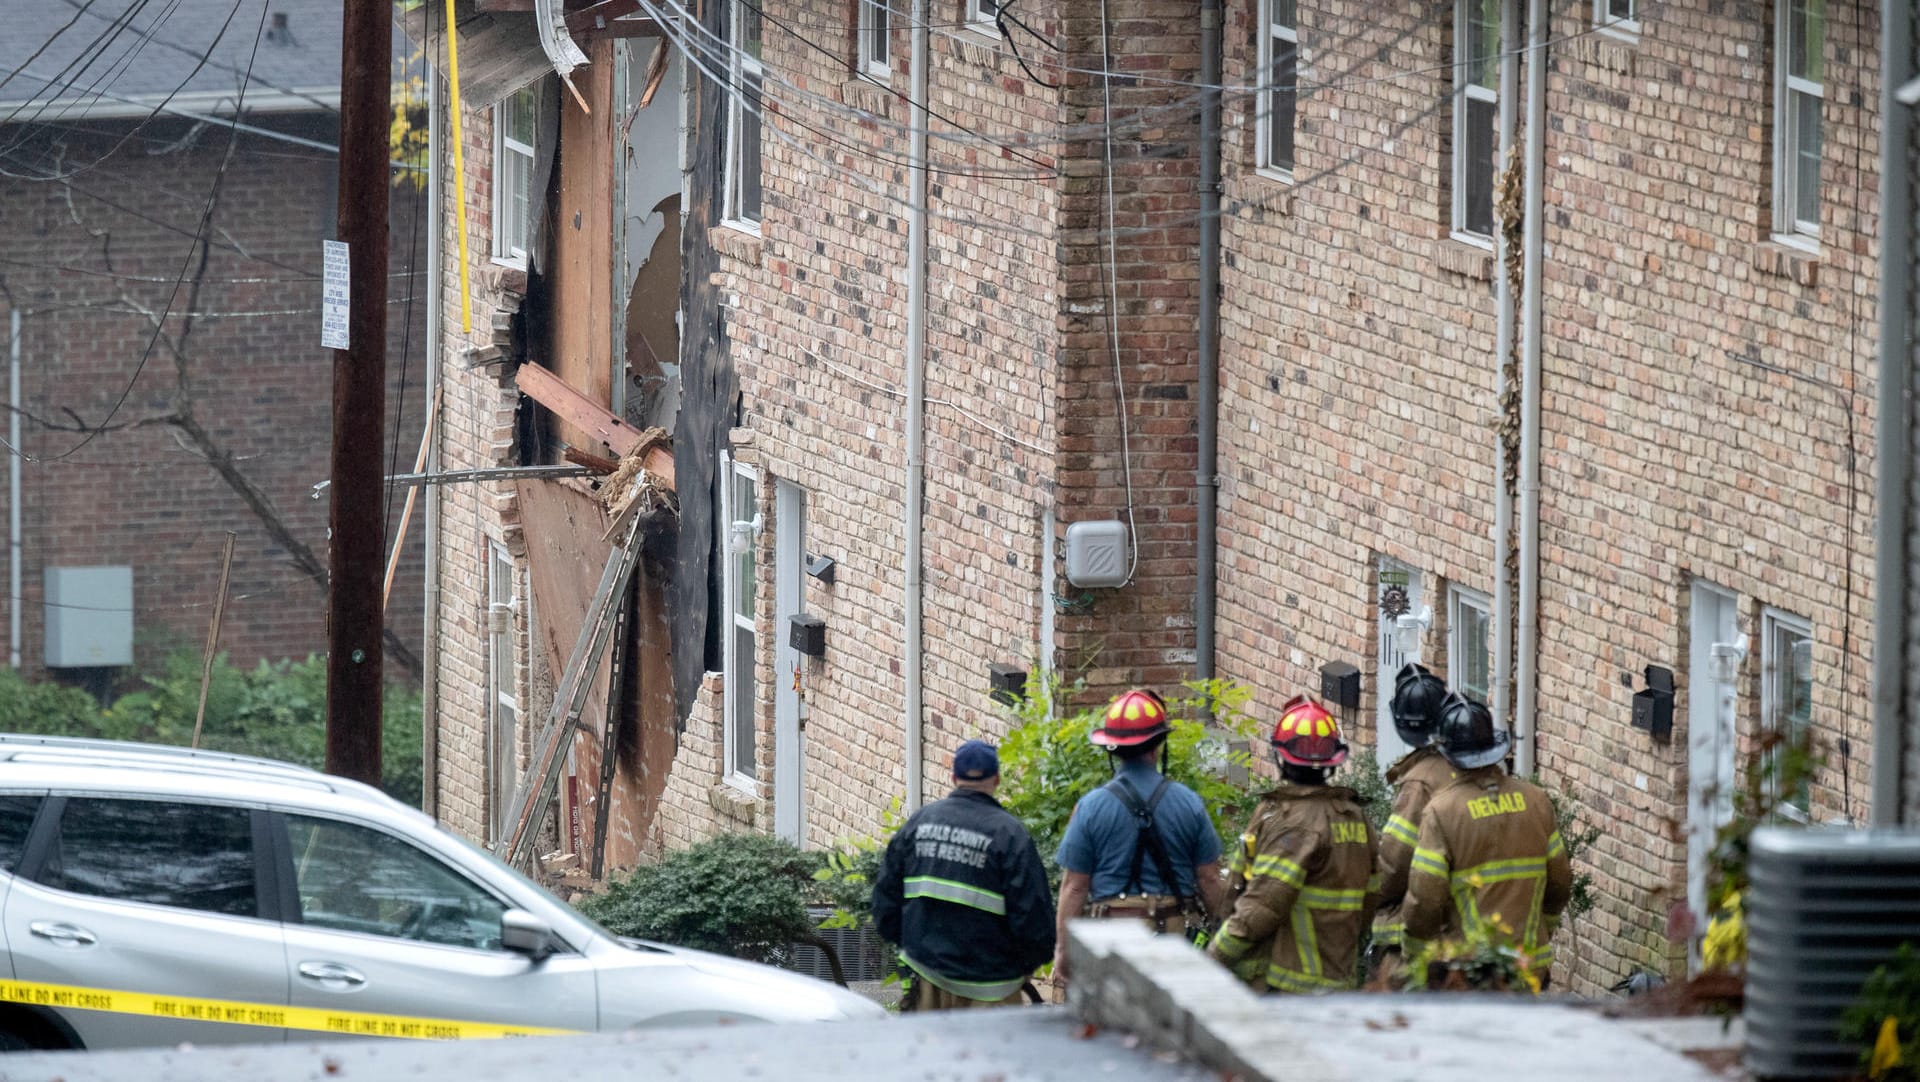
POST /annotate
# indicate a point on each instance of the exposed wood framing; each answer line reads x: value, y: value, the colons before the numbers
x: 592, y: 418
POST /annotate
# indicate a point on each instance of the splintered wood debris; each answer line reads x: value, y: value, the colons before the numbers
x: 632, y: 489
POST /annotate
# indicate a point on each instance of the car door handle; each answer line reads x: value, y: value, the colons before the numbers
x: 331, y: 972
x: 67, y: 935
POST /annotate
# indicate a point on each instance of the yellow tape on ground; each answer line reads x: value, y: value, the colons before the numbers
x: 239, y: 1012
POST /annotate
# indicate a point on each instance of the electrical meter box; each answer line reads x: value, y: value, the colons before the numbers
x: 89, y: 614
x: 1097, y: 554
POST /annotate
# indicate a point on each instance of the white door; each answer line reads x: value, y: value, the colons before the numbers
x: 1710, y: 739
x: 789, y: 545
x: 1400, y: 591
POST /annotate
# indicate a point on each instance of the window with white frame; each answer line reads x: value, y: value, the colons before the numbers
x: 873, y: 32
x: 1786, y: 693
x: 1620, y: 17
x: 1476, y: 111
x: 744, y: 110
x: 503, y: 682
x: 739, y: 530
x: 984, y: 13
x: 1279, y: 72
x: 1799, y: 62
x: 1469, y: 658
x: 514, y: 136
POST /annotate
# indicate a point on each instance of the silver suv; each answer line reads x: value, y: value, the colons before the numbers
x: 156, y: 895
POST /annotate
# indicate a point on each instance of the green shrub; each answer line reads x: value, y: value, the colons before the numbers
x: 276, y: 710
x: 1047, y: 763
x: 739, y: 894
x: 1885, y: 1022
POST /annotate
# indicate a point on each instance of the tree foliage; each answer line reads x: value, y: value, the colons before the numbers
x: 277, y: 710
x: 1885, y: 1022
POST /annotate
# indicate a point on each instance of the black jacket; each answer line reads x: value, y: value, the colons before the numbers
x: 963, y: 894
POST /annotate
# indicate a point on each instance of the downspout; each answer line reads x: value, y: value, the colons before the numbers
x: 430, y: 527
x: 916, y: 396
x: 13, y: 488
x: 1527, y: 686
x: 1894, y: 409
x: 1502, y: 675
x: 1206, y: 481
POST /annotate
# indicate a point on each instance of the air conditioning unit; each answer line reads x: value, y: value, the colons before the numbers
x: 1826, y: 908
x: 862, y: 954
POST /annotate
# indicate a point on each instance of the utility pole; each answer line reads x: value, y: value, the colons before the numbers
x: 357, y: 522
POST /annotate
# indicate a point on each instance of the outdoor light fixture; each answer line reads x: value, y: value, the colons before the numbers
x: 740, y: 536
x: 1409, y: 629
x: 1727, y: 657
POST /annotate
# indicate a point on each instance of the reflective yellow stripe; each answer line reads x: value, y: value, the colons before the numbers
x: 1230, y: 947
x: 1327, y: 898
x: 1287, y: 980
x: 1402, y: 830
x: 1430, y: 861
x: 1555, y: 847
x: 1389, y: 935
x: 1373, y: 883
x: 946, y: 890
x: 242, y: 1013
x: 1305, y: 941
x: 1501, y: 871
x: 1279, y: 867
x: 987, y: 990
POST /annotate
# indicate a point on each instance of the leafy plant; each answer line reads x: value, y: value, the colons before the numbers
x: 739, y: 894
x: 1885, y: 1021
x: 1047, y: 762
x: 847, y: 872
x: 1781, y: 764
x: 277, y: 710
x: 1486, y: 959
x: 1362, y: 774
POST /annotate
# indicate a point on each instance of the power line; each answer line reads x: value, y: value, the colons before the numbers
x: 206, y: 221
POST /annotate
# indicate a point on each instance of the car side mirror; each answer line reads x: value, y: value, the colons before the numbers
x: 523, y: 933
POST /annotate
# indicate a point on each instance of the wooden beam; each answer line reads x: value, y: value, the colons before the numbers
x: 582, y: 412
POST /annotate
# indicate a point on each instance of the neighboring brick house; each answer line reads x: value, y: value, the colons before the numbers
x: 113, y: 142
x: 1705, y: 418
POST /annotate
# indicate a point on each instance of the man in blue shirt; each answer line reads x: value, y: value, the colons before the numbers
x: 1104, y: 857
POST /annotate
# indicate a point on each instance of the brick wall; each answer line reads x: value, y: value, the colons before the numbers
x: 87, y: 257
x: 1359, y: 396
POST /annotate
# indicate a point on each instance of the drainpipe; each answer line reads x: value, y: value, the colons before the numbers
x: 13, y: 488
x: 1502, y: 349
x: 1894, y: 413
x: 1534, y: 242
x: 430, y: 528
x: 1206, y: 481
x: 916, y: 395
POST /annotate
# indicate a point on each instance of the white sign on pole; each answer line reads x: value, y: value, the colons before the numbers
x: 333, y: 296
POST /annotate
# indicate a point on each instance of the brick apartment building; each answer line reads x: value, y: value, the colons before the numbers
x: 1700, y: 333
x: 114, y: 137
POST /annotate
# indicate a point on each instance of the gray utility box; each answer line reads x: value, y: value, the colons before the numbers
x: 1097, y: 554
x: 89, y: 617
x: 1827, y: 907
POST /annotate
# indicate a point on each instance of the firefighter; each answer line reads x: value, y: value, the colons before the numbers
x: 1141, y: 847
x: 1303, y: 882
x: 1417, y: 697
x: 1489, y: 865
x: 963, y: 894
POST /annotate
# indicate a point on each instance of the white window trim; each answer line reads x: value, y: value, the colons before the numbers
x: 1458, y: 598
x: 877, y: 68
x: 1788, y: 229
x: 1465, y: 91
x: 502, y: 694
x: 981, y: 21
x: 732, y: 472
x: 1772, y: 621
x: 1626, y: 28
x: 739, y: 67
x: 503, y: 254
x: 1263, y: 102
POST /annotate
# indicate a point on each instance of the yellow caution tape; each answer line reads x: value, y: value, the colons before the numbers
x: 242, y: 1013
